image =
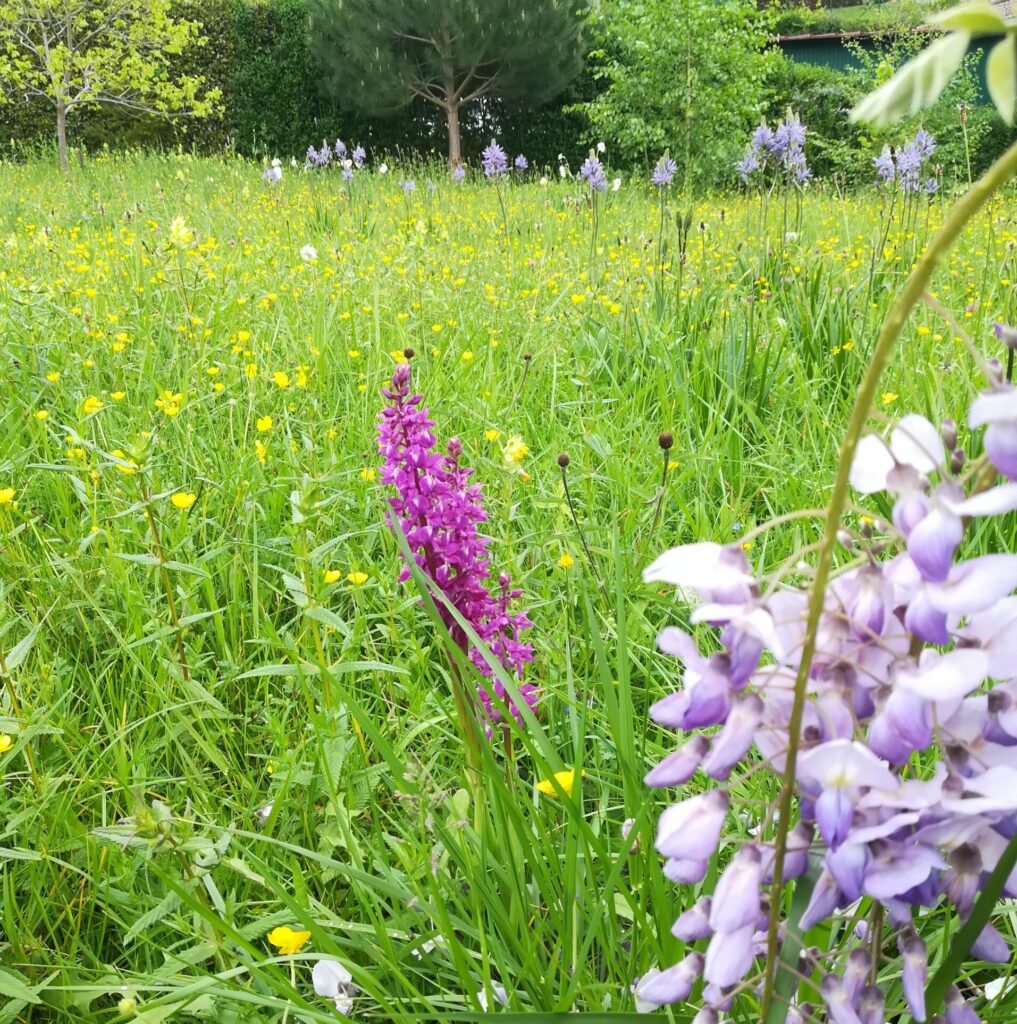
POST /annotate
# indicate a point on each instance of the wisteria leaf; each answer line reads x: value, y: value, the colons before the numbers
x: 977, y: 18
x: 1001, y: 77
x: 917, y: 85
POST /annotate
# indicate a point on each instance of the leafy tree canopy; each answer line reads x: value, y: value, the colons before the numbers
x: 76, y: 53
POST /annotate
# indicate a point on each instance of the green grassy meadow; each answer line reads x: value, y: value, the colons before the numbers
x: 222, y: 712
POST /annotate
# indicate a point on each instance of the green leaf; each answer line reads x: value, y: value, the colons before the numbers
x: 917, y: 85
x: 14, y: 986
x: 1001, y: 76
x: 20, y: 650
x: 977, y: 18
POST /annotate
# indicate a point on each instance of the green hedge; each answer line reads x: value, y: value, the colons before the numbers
x: 257, y: 53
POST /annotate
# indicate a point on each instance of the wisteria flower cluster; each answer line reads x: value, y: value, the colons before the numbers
x: 438, y: 510
x: 336, y: 155
x: 781, y: 148
x: 906, y: 772
x: 905, y: 166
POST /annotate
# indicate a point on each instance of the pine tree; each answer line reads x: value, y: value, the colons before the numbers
x: 380, y: 55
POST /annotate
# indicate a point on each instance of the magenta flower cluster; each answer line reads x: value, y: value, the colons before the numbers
x: 438, y: 510
x: 906, y: 775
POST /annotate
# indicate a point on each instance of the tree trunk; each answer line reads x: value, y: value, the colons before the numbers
x: 455, y: 149
x: 61, y: 131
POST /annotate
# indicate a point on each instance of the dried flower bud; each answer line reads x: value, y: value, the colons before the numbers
x: 665, y: 440
x: 563, y: 460
x: 527, y: 356
x: 408, y: 353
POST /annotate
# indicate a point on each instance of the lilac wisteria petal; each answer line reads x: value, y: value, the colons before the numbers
x: 684, y: 871
x: 992, y: 502
x: 673, y: 985
x: 993, y: 790
x: 995, y: 406
x: 736, y: 737
x: 871, y: 465
x: 838, y: 1001
x: 704, y: 566
x: 844, y: 763
x: 694, y: 924
x: 975, y: 585
x: 914, y: 972
x: 917, y: 443
x: 736, y: 897
x: 954, y: 674
x: 933, y: 541
x: 679, y: 644
x: 1001, y: 448
x: 676, y: 769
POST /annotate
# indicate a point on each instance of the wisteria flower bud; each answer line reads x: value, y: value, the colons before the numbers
x: 729, y: 956
x: 957, y: 460
x: 914, y: 971
x: 673, y: 985
x: 677, y: 768
x: 991, y: 946
x: 736, y: 897
x: 871, y: 1004
x: 948, y: 431
x: 732, y: 743
x: 957, y: 1010
x: 1006, y: 334
x: 856, y: 972
x: 694, y: 923
x: 690, y: 830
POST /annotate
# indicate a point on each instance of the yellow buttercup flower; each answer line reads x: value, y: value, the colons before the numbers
x: 357, y: 578
x: 398, y: 356
x: 6, y: 742
x: 287, y: 941
x: 7, y: 495
x: 492, y: 434
x: 260, y: 451
x: 41, y: 414
x: 566, y: 561
x: 53, y: 377
x: 126, y: 466
x: 263, y: 423
x: 183, y: 500
x: 566, y: 780
x: 368, y: 474
x: 92, y: 405
x: 332, y: 575
x: 281, y: 379
x: 251, y: 371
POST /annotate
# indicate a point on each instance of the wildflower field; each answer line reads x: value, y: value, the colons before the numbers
x: 231, y: 732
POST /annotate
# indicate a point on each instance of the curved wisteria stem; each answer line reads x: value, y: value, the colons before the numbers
x: 966, y: 208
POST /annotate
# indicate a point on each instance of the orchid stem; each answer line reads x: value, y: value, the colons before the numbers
x: 966, y: 207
